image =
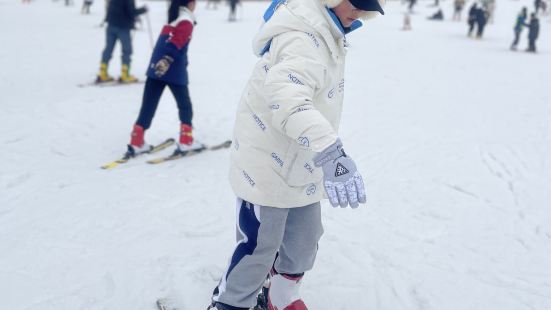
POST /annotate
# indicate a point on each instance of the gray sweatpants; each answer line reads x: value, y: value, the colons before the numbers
x: 262, y: 234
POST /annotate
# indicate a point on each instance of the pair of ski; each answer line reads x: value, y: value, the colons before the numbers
x: 261, y: 302
x: 167, y: 304
x: 159, y: 147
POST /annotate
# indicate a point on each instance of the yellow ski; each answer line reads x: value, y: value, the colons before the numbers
x: 130, y: 154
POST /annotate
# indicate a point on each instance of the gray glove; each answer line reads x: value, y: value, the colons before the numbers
x: 342, y: 181
x: 162, y: 66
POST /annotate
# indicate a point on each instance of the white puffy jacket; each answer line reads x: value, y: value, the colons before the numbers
x: 291, y: 106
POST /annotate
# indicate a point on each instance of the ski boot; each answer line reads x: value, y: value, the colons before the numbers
x: 126, y: 77
x: 262, y: 297
x: 103, y: 76
x: 137, y: 144
x: 187, y: 143
x: 283, y: 292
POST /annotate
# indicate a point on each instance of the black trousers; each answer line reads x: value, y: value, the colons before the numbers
x: 152, y: 94
x: 471, y: 27
x: 531, y: 44
x: 480, y: 30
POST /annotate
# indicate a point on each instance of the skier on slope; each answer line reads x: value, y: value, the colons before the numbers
x: 411, y: 5
x: 287, y: 153
x: 86, y: 4
x: 519, y: 26
x: 457, y: 9
x: 533, y: 32
x: 481, y: 21
x: 233, y: 8
x: 121, y: 16
x: 168, y: 67
x: 471, y: 19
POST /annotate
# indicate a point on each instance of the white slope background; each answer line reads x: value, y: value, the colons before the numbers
x: 452, y: 135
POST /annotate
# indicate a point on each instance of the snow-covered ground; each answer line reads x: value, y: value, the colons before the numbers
x: 453, y: 137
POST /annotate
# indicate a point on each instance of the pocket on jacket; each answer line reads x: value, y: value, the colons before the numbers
x: 300, y: 170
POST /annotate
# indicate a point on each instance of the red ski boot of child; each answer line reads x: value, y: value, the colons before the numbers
x: 137, y: 142
x: 186, y: 142
x: 284, y: 292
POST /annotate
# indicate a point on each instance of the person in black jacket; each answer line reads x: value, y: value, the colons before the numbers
x: 121, y: 15
x: 533, y: 32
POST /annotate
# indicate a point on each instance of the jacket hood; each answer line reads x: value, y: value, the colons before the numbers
x: 312, y: 16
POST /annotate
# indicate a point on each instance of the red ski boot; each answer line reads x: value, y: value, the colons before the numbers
x: 284, y: 292
x: 187, y: 143
x: 137, y: 142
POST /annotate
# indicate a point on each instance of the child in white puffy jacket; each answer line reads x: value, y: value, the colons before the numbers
x: 287, y: 155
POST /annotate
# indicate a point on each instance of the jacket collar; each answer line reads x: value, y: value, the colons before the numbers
x: 344, y: 31
x: 185, y: 14
x: 302, y: 15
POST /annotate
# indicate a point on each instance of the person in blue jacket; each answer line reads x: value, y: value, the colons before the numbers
x: 168, y: 67
x: 519, y: 26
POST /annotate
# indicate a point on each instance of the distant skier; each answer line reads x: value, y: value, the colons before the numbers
x: 168, y: 67
x: 411, y: 5
x: 471, y: 20
x: 233, y: 8
x: 481, y: 21
x: 287, y: 149
x: 458, y: 9
x: 121, y: 17
x: 533, y: 32
x: 407, y: 22
x: 439, y: 15
x: 489, y: 7
x: 519, y: 26
x: 537, y: 5
x: 86, y: 4
x: 213, y: 3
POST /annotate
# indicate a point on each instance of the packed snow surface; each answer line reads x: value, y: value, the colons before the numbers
x: 452, y: 135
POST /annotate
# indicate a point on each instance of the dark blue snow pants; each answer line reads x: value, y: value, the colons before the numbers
x: 152, y: 94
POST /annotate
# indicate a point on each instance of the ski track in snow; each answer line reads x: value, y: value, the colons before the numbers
x: 452, y: 136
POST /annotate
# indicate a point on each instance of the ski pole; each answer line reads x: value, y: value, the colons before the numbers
x: 149, y: 29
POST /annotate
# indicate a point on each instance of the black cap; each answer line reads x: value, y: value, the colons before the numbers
x: 368, y: 5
